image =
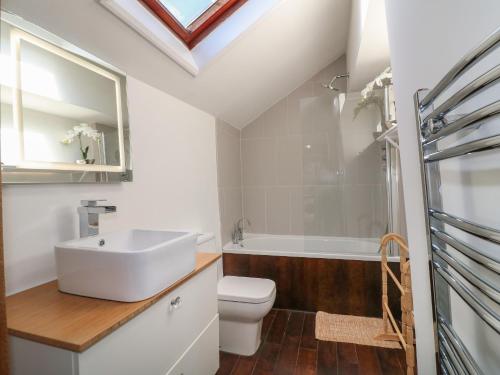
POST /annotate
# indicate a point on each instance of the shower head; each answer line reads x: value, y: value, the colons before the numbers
x: 329, y: 87
x: 330, y: 84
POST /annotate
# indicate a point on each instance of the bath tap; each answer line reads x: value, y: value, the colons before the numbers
x: 237, y: 234
x: 89, y: 213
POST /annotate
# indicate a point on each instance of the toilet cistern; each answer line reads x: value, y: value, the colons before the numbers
x: 89, y: 213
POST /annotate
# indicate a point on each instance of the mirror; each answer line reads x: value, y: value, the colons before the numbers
x: 63, y: 111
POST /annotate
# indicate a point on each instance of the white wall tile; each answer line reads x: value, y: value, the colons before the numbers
x: 278, y: 210
x: 259, y: 161
x: 254, y: 208
x: 231, y: 211
x: 358, y: 203
x: 289, y: 157
x: 323, y: 211
x: 274, y: 120
x: 229, y: 177
x: 306, y: 147
x: 319, y: 168
x: 229, y: 158
x: 294, y: 103
x: 297, y: 210
x: 254, y: 129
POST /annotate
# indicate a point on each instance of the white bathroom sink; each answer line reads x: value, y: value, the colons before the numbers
x: 125, y: 266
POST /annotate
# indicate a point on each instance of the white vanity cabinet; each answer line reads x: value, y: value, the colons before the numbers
x: 178, y: 335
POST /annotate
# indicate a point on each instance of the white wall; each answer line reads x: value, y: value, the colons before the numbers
x: 367, y: 46
x: 359, y: 11
x: 175, y: 186
x: 426, y: 39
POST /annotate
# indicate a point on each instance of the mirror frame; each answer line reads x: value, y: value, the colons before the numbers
x: 29, y: 172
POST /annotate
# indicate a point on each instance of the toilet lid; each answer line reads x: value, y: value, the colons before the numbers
x: 245, y: 289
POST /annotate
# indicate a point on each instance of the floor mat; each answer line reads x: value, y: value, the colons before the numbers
x: 358, y: 330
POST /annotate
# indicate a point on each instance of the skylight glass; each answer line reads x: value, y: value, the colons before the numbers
x: 192, y: 20
x: 187, y: 11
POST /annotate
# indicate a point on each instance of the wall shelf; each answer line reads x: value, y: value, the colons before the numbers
x: 391, y: 133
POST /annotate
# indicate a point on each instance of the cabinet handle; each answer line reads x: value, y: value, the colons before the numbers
x: 175, y: 303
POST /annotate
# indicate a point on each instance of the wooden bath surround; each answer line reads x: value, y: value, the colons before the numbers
x: 338, y: 286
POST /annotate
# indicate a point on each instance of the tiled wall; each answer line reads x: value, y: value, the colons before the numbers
x: 306, y: 169
x: 229, y: 177
x: 304, y: 166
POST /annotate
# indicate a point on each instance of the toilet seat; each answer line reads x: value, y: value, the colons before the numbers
x: 246, y: 289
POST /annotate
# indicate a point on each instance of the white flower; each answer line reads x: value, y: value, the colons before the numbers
x: 384, y: 77
x: 368, y: 90
x: 380, y: 81
x: 67, y: 140
x: 79, y: 130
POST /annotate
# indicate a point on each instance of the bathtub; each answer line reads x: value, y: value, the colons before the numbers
x: 309, y: 247
x: 338, y: 275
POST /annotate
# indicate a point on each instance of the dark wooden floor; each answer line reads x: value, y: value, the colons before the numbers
x: 290, y: 348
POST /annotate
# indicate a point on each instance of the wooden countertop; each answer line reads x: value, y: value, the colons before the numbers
x: 46, y: 315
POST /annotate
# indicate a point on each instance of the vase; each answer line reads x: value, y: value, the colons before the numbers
x: 85, y: 161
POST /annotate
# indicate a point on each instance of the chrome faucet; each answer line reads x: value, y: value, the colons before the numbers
x: 89, y: 213
x: 237, y: 234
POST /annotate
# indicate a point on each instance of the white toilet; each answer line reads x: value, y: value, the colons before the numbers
x: 243, y: 303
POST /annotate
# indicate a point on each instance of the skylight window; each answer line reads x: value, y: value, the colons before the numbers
x: 186, y: 12
x: 192, y: 20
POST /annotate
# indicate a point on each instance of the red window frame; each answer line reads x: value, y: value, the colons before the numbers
x: 206, y: 22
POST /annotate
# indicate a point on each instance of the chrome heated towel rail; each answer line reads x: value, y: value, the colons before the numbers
x: 459, y: 120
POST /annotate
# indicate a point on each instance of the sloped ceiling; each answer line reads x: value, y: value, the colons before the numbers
x: 292, y: 42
